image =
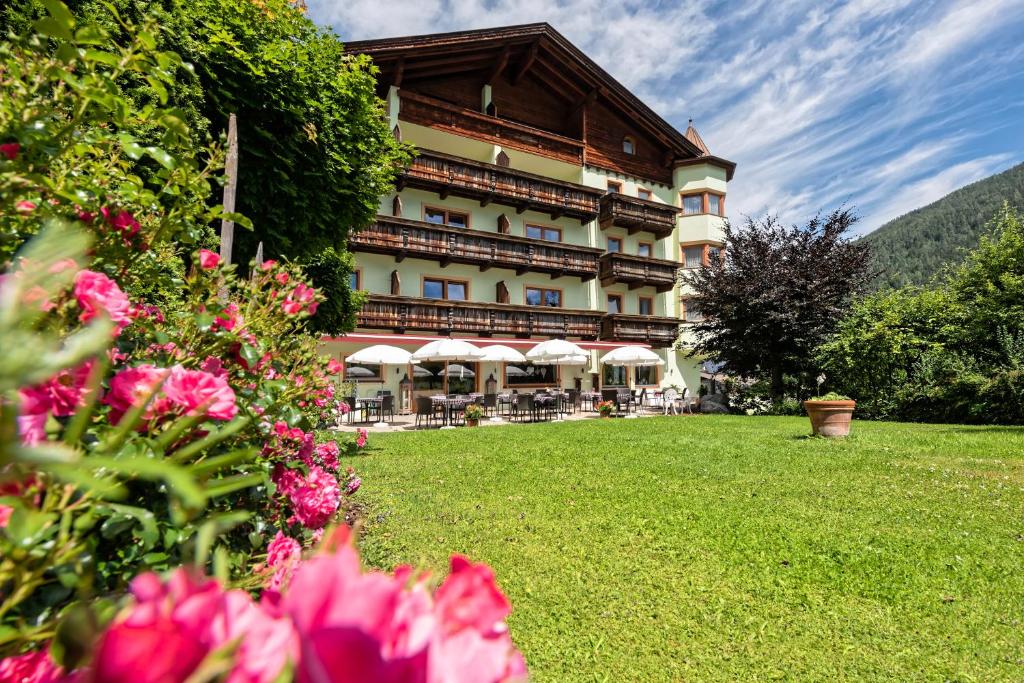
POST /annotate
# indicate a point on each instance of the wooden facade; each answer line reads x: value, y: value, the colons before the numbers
x: 638, y: 271
x: 403, y: 238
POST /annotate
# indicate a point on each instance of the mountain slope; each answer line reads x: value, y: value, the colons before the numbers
x: 915, y: 246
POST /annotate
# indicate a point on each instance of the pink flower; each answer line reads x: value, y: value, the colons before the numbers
x: 131, y: 387
x: 298, y: 299
x: 328, y: 453
x: 86, y: 216
x: 172, y: 627
x: 361, y: 436
x: 32, y: 428
x: 31, y: 667
x: 334, y: 367
x: 10, y: 150
x: 214, y: 366
x: 62, y: 394
x: 208, y: 260
x: 122, y: 221
x: 353, y: 485
x: 283, y: 554
x: 268, y: 264
x: 315, y: 499
x: 25, y: 206
x: 96, y: 293
x: 282, y: 278
x: 228, y: 319
x: 196, y: 391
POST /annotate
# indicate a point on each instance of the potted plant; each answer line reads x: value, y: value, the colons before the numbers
x: 473, y: 413
x: 830, y: 414
x: 605, y: 408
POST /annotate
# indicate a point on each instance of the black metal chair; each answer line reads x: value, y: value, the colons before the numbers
x: 385, y: 406
x: 572, y: 401
x: 523, y: 407
x: 426, y: 409
x: 490, y: 404
x: 353, y: 407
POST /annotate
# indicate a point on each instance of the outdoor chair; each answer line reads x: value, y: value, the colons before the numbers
x: 353, y: 407
x: 386, y: 406
x: 668, y: 402
x: 572, y: 401
x: 654, y: 401
x: 687, y: 401
x: 490, y: 404
x: 639, y: 398
x: 426, y: 410
x: 523, y: 407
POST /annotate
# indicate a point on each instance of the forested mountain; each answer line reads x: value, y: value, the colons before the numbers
x: 915, y: 246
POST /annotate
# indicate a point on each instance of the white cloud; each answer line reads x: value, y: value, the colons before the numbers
x: 881, y: 104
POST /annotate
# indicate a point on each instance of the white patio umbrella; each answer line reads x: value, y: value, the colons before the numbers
x: 553, y: 348
x: 381, y: 354
x: 457, y: 370
x: 513, y: 371
x: 632, y: 356
x: 499, y: 353
x: 447, y: 350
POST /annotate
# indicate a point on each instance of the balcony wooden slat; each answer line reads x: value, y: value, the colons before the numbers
x: 402, y: 237
x: 637, y: 215
x: 451, y: 175
x: 433, y: 113
x: 654, y: 330
x: 638, y: 271
x: 402, y: 314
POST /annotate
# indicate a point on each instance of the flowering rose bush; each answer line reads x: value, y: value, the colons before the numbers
x: 157, y: 414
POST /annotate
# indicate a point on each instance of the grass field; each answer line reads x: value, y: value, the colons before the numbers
x: 724, y: 548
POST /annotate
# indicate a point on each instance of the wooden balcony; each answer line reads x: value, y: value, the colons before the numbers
x: 402, y: 237
x: 439, y: 316
x: 450, y: 175
x: 638, y: 271
x: 649, y: 329
x: 637, y: 215
x: 433, y: 113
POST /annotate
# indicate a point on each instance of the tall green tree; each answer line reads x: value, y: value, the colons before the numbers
x: 776, y: 295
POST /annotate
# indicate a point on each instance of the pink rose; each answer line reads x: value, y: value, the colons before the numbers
x: 10, y: 150
x: 361, y: 436
x: 353, y: 485
x: 315, y: 499
x: 208, y: 260
x: 196, y: 391
x: 62, y: 394
x: 172, y: 627
x: 229, y: 318
x: 96, y: 293
x: 131, y: 387
x: 328, y: 453
x: 283, y: 554
x: 31, y: 667
x: 334, y: 367
x: 282, y: 278
x: 122, y: 221
x: 25, y: 206
x: 268, y: 264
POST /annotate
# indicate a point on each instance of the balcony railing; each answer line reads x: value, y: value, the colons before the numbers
x: 638, y: 271
x: 401, y: 314
x: 648, y: 329
x: 450, y: 175
x: 431, y: 112
x: 403, y: 237
x: 637, y: 214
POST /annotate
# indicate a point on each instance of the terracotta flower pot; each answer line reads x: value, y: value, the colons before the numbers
x: 830, y: 418
x: 471, y: 422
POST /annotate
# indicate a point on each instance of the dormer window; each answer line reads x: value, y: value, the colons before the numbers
x: 629, y: 145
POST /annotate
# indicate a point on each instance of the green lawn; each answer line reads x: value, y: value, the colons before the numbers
x: 724, y: 548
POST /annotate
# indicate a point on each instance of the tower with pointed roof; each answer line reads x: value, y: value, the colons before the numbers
x: 545, y: 201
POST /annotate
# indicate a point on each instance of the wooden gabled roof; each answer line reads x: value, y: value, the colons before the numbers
x: 537, y: 49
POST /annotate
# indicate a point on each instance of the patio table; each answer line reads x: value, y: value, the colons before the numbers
x: 450, y: 405
x: 368, y: 401
x: 589, y: 397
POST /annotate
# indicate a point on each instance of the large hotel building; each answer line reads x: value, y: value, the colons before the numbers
x: 545, y: 201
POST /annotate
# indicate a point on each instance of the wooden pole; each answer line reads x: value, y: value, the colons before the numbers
x: 227, y: 227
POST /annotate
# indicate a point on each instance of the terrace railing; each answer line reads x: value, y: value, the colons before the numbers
x: 648, y: 329
x: 637, y: 215
x: 638, y: 271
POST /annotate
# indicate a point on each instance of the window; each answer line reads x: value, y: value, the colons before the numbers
x: 693, y: 204
x: 354, y: 280
x: 428, y: 376
x: 614, y: 245
x: 539, y: 232
x: 645, y: 305
x: 644, y: 249
x: 614, y: 376
x: 614, y: 186
x: 642, y: 193
x: 438, y: 288
x: 714, y: 254
x: 715, y: 202
x: 615, y: 303
x: 456, y: 219
x: 693, y: 257
x: 628, y: 145
x: 529, y: 375
x: 646, y: 376
x: 691, y: 313
x: 460, y: 378
x: 538, y: 296
x: 362, y: 372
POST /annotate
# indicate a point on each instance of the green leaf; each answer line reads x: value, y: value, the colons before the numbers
x: 162, y: 157
x: 27, y: 527
x: 149, y: 534
x: 48, y: 26
x: 240, y: 219
x: 251, y: 355
x: 60, y: 13
x: 90, y: 34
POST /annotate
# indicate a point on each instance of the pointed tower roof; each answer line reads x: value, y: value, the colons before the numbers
x: 693, y: 136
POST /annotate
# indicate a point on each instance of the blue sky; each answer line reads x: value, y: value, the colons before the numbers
x: 884, y: 106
